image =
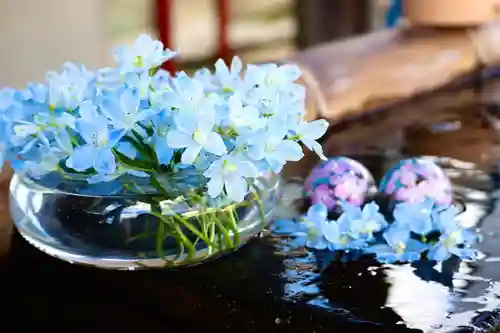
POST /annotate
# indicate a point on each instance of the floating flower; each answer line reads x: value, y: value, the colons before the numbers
x: 314, y: 220
x: 453, y: 243
x: 364, y: 222
x: 415, y: 217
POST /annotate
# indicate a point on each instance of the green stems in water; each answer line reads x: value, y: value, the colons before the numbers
x: 201, y: 229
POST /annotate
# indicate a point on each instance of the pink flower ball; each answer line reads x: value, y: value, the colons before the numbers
x: 339, y: 179
x: 415, y: 179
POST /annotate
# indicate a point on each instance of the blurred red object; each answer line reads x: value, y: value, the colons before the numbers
x: 163, y: 14
x: 223, y: 11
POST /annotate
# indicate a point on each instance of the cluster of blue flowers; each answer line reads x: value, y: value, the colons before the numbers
x: 417, y: 230
x: 136, y: 119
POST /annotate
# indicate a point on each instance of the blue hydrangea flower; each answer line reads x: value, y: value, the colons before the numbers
x: 363, y: 222
x: 186, y: 95
x: 230, y: 173
x: 308, y: 133
x: 337, y: 234
x: 229, y: 79
x: 5, y: 135
x: 399, y: 246
x: 38, y: 93
x: 107, y: 79
x: 416, y: 217
x: 123, y: 110
x: 141, y: 84
x: 205, y: 76
x: 275, y: 150
x: 452, y: 243
x: 444, y: 220
x: 48, y: 160
x: 195, y: 134
x: 247, y: 117
x: 97, y: 152
x: 314, y: 220
x: 145, y: 54
x: 272, y: 75
x: 69, y: 88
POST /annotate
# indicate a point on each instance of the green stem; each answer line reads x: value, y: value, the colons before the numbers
x: 187, y: 224
x: 156, y: 183
x: 258, y: 201
x: 234, y: 226
x: 225, y: 233
x: 146, y: 149
x: 211, y: 235
x: 130, y: 163
x: 182, y: 240
x: 160, y: 232
x: 187, y: 243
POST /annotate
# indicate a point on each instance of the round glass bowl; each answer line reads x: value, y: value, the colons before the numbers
x: 118, y: 229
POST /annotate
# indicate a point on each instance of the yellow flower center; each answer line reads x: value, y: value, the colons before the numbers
x: 344, y: 240
x: 451, y: 240
x: 400, y: 247
x: 200, y: 137
x: 99, y: 140
x: 229, y: 166
x: 138, y: 62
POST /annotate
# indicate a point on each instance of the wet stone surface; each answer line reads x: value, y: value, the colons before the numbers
x: 269, y: 286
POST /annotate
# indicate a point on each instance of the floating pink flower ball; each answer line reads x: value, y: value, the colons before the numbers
x: 339, y: 179
x: 415, y: 179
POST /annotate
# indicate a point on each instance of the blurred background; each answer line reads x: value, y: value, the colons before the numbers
x: 38, y: 35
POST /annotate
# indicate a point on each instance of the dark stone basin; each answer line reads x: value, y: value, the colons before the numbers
x: 267, y: 287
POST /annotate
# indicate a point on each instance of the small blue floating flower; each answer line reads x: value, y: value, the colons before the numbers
x: 416, y: 217
x: 451, y: 243
x: 399, y: 247
x: 364, y: 222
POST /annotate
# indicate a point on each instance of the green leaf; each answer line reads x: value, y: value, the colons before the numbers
x: 134, y: 164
